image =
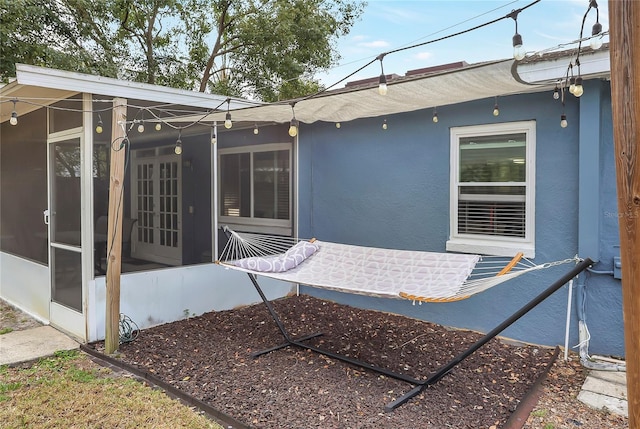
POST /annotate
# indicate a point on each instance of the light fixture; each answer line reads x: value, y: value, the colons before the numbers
x: 496, y: 109
x: 158, y: 126
x: 227, y: 119
x: 578, y: 90
x: 434, y: 118
x: 563, y: 121
x: 384, y: 124
x: 338, y: 125
x: 141, y: 127
x: 382, y: 84
x: 596, y: 38
x: 518, y: 50
x: 178, y: 148
x: 293, y: 125
x: 255, y: 129
x: 14, y: 115
x: 572, y: 84
x: 99, y: 125
x: 556, y: 93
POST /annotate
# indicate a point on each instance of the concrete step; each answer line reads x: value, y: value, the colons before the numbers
x: 31, y: 344
x: 606, y: 390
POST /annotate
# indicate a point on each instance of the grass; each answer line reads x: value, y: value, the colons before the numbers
x: 70, y: 390
x: 5, y: 331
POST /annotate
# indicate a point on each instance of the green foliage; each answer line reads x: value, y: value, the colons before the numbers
x: 5, y: 331
x: 266, y: 49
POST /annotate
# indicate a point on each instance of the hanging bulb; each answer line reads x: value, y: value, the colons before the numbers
x: 141, y: 127
x: 227, y: 121
x: 496, y: 109
x: 435, y: 116
x: 578, y: 90
x: 572, y: 84
x: 158, y: 126
x: 382, y: 86
x: 255, y: 129
x: 178, y: 148
x: 563, y: 121
x: 338, y: 125
x: 556, y: 93
x: 518, y: 51
x: 14, y: 115
x: 293, y: 127
x: 384, y: 124
x: 99, y: 125
x: 596, y: 42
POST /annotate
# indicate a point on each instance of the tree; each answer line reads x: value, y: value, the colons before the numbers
x: 267, y: 49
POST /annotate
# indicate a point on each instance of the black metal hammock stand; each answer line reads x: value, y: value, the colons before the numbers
x: 419, y: 385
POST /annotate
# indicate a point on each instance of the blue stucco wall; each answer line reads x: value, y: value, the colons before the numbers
x: 363, y: 185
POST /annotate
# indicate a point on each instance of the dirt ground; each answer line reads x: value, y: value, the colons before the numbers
x: 209, y: 357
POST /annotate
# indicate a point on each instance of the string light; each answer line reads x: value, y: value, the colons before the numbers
x: 158, y: 126
x: 578, y: 90
x: 496, y: 109
x: 596, y: 39
x: 141, y: 127
x: 99, y: 126
x: 382, y: 84
x: 227, y: 119
x: 563, y: 121
x: 255, y: 129
x: 435, y: 115
x: 384, y: 124
x: 293, y: 125
x: 518, y: 50
x: 178, y: 148
x: 556, y: 92
x: 572, y: 84
x: 14, y: 115
x: 338, y: 125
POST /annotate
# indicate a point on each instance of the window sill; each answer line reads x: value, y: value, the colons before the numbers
x: 490, y: 247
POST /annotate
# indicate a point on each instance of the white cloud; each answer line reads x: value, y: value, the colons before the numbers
x: 374, y: 44
x: 423, y: 56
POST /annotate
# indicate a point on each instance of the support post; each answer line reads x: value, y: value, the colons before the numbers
x: 624, y: 22
x: 114, y: 229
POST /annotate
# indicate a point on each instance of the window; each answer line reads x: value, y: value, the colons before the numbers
x: 255, y: 188
x: 493, y: 189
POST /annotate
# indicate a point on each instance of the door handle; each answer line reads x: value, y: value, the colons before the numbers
x: 45, y: 216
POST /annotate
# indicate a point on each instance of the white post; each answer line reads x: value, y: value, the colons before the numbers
x: 566, y: 331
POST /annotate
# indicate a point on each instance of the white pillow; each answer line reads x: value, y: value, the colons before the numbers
x: 279, y: 263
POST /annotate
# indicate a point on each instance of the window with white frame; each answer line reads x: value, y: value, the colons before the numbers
x: 493, y: 189
x: 255, y: 188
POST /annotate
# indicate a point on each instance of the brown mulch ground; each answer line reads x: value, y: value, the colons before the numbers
x: 208, y: 357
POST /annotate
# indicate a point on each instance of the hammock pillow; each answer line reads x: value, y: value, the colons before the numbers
x: 279, y: 263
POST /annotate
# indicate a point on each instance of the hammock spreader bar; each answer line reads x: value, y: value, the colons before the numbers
x: 419, y: 385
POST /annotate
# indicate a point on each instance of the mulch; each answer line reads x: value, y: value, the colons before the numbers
x: 208, y: 357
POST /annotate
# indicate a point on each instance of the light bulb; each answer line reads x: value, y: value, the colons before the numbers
x: 596, y: 42
x: 572, y: 84
x: 338, y: 125
x: 435, y: 118
x: 227, y: 121
x: 563, y: 121
x: 384, y: 124
x: 158, y: 126
x: 556, y: 93
x: 496, y: 110
x: 141, y: 127
x: 255, y: 130
x: 578, y: 90
x: 382, y: 86
x: 14, y: 118
x: 178, y: 148
x: 518, y: 50
x: 293, y: 128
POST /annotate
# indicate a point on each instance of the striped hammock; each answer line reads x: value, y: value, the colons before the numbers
x: 414, y: 275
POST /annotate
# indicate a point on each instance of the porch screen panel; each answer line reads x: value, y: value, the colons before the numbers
x: 235, y: 192
x: 271, y: 184
x: 492, y: 185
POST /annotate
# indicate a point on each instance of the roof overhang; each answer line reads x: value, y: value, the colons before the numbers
x: 593, y: 64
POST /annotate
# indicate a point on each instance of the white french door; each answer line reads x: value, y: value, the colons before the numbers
x: 156, y: 202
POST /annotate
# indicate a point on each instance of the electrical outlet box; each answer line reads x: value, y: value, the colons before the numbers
x: 617, y: 267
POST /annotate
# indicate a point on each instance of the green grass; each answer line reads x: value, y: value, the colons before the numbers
x: 5, y: 331
x: 70, y: 390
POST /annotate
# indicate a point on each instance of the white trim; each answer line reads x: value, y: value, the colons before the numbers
x: 486, y: 244
x: 592, y: 65
x: 79, y: 82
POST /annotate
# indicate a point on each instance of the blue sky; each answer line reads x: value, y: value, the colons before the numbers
x: 388, y: 25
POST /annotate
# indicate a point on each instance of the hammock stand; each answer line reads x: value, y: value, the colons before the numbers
x: 419, y: 385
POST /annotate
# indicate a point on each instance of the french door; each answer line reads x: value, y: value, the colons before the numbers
x: 157, y: 202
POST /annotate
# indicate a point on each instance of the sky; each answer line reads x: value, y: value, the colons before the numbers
x: 386, y: 25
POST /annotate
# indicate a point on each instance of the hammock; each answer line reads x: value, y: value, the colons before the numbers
x: 414, y: 275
